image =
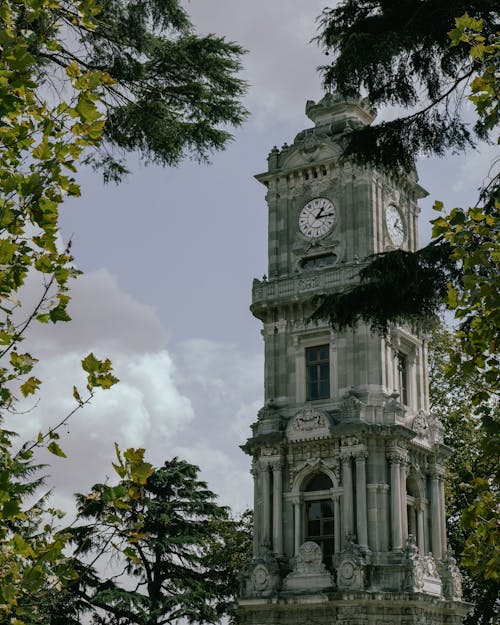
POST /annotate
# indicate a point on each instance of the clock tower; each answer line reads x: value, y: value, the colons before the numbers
x: 347, y: 458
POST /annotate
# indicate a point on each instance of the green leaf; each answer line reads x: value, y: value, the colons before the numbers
x: 54, y: 448
x: 90, y: 363
x: 30, y: 386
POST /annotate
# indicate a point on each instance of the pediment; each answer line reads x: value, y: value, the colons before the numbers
x: 305, y: 155
x: 309, y: 424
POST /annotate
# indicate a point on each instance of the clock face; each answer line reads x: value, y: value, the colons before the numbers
x: 317, y: 218
x: 395, y: 226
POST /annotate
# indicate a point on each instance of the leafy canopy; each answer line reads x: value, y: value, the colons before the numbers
x: 399, y: 53
x: 174, y: 93
x: 175, y: 551
x: 80, y: 80
x: 469, y: 471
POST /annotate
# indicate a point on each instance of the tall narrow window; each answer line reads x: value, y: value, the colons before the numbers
x: 319, y: 515
x: 403, y: 377
x: 318, y: 372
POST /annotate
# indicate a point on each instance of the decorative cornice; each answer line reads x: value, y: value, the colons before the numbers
x: 305, y: 284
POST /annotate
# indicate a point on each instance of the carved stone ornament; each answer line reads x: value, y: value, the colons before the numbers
x: 309, y: 559
x: 309, y: 572
x: 269, y: 451
x: 452, y: 578
x: 350, y: 575
x: 420, y: 425
x: 351, y: 406
x: 260, y: 578
x: 308, y: 424
x: 314, y: 465
x: 266, y: 412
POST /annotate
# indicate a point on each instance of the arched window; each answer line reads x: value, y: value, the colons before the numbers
x: 319, y: 521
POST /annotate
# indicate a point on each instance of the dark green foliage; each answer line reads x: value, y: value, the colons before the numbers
x: 451, y: 400
x: 174, y: 552
x: 175, y: 92
x: 395, y: 287
x: 399, y: 53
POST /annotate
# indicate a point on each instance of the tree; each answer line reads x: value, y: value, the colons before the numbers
x: 400, y: 53
x: 396, y: 51
x: 72, y: 75
x: 450, y: 397
x: 176, y: 553
x: 173, y: 92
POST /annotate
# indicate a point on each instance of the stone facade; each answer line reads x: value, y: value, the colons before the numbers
x: 348, y: 460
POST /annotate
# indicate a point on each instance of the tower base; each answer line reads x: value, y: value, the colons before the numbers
x: 363, y: 608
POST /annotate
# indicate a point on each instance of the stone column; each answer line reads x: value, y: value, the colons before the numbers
x: 336, y: 523
x: 420, y: 528
x: 404, y: 503
x: 412, y: 381
x: 396, y: 529
x: 266, y: 505
x: 297, y: 515
x: 442, y: 513
x: 361, y: 512
x: 348, y: 499
x: 435, y: 518
x: 277, y: 508
x: 255, y: 544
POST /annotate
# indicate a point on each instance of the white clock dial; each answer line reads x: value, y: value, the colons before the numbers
x: 317, y: 218
x: 395, y: 225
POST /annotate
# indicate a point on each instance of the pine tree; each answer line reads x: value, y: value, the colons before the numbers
x: 169, y: 549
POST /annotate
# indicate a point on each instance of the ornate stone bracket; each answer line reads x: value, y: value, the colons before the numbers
x: 452, y: 578
x: 421, y: 571
x: 351, y: 566
x: 351, y: 408
x: 262, y: 577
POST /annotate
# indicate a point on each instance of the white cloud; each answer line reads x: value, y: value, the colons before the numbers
x: 146, y: 409
x: 196, y: 400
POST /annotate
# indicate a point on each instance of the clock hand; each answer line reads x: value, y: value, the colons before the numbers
x: 319, y: 213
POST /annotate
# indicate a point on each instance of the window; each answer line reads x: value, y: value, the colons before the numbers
x: 403, y: 377
x: 318, y: 372
x: 319, y: 516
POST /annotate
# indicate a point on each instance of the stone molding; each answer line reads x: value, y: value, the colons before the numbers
x: 302, y: 469
x: 285, y: 288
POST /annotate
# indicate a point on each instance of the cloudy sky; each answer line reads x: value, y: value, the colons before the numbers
x: 169, y: 257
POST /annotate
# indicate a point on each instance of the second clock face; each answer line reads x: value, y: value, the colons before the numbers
x: 395, y: 225
x: 317, y: 218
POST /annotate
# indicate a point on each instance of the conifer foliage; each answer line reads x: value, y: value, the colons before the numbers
x: 168, y: 551
x: 399, y: 53
x: 175, y: 93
